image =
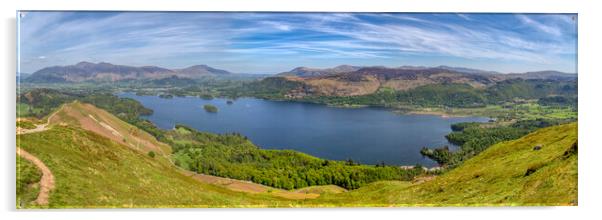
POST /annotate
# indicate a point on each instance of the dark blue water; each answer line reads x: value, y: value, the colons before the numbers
x: 368, y: 135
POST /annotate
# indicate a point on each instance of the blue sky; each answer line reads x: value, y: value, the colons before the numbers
x: 277, y: 42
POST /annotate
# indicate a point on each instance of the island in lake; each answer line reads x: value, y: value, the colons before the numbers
x: 210, y: 108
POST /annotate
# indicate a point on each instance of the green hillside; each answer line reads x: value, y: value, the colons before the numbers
x: 93, y: 171
x: 509, y: 173
x: 28, y: 177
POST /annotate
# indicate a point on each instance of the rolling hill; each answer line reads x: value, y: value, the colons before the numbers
x: 101, y: 122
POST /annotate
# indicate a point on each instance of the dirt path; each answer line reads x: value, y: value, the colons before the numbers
x: 47, y: 180
x: 40, y: 127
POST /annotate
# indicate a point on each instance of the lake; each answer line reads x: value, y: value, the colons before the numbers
x: 367, y: 135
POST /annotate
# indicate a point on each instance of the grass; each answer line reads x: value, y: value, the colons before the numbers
x: 331, y: 189
x: 25, y: 110
x: 496, y: 177
x: 93, y: 171
x: 28, y: 177
x: 104, y: 123
x: 25, y: 124
x: 510, y: 111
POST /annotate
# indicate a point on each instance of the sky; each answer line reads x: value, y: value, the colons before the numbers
x: 269, y: 43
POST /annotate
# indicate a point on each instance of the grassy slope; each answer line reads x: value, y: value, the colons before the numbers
x: 497, y: 176
x: 28, y: 177
x: 93, y: 171
x: 91, y: 118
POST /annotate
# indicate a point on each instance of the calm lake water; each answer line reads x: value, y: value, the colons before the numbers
x: 368, y: 135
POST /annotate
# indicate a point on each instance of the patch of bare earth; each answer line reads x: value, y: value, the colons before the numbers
x: 249, y: 187
x: 101, y: 122
x: 47, y: 180
x: 422, y: 179
x: 334, y: 87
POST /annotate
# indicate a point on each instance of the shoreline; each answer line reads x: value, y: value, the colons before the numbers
x: 397, y: 110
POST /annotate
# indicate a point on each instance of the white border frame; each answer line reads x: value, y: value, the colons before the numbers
x: 589, y: 105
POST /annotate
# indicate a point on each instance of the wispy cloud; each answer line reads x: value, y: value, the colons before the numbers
x: 550, y: 29
x: 272, y: 42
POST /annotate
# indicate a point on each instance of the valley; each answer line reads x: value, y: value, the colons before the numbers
x: 343, y: 126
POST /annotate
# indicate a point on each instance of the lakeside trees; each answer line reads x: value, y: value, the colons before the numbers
x: 234, y: 156
x: 474, y: 138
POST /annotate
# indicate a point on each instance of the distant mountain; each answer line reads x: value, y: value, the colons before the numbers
x: 22, y: 76
x: 548, y: 74
x: 467, y: 70
x: 197, y: 70
x: 313, y: 72
x: 87, y: 71
x: 306, y: 72
x: 367, y: 80
x: 309, y: 72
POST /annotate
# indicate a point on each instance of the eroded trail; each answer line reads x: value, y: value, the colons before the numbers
x: 47, y: 180
x: 39, y: 127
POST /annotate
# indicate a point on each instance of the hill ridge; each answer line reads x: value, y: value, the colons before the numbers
x: 103, y: 71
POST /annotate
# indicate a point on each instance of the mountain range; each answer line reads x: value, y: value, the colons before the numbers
x: 308, y: 71
x: 367, y: 80
x: 400, y: 78
x: 87, y: 71
x: 313, y: 72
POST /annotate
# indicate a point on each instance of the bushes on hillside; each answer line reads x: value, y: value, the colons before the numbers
x: 472, y: 139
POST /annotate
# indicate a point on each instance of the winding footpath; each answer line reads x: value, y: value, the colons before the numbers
x: 47, y: 180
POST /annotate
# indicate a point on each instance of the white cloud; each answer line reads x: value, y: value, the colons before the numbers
x: 550, y: 29
x: 465, y: 17
x: 170, y: 38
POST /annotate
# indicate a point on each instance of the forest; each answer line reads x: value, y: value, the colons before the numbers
x: 234, y: 156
